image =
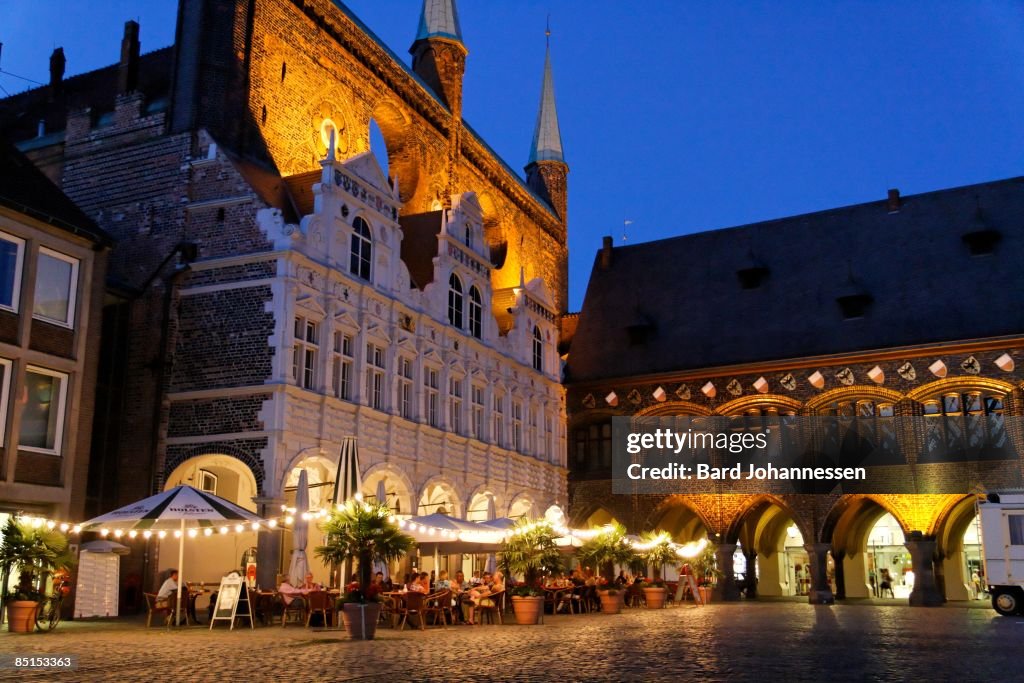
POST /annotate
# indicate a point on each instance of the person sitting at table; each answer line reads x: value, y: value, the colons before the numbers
x: 443, y: 583
x: 415, y: 585
x: 459, y: 582
x: 309, y: 584
x: 477, y: 596
x: 475, y: 580
x: 292, y: 595
x: 376, y: 586
x: 622, y: 579
x: 425, y: 581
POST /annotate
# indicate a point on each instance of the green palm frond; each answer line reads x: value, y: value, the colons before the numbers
x: 365, y: 533
x: 531, y: 551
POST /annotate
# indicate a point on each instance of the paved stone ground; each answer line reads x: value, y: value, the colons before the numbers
x: 741, y: 641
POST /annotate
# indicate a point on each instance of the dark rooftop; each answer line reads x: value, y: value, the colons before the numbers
x: 24, y: 188
x: 945, y: 266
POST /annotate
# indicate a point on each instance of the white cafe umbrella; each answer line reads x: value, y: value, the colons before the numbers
x: 382, y: 499
x: 299, y: 566
x: 177, y: 509
x: 491, y: 559
x: 348, y: 482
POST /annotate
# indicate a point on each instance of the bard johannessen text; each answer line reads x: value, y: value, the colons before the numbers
x: 736, y: 472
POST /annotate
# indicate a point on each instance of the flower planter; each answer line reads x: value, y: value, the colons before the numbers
x: 21, y: 616
x: 361, y: 619
x: 611, y: 601
x: 527, y: 609
x: 655, y: 597
x: 705, y: 594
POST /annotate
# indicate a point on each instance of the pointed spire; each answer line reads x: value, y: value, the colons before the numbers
x: 547, y: 138
x: 439, y: 19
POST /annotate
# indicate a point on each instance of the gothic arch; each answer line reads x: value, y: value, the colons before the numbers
x: 404, y: 488
x: 437, y: 487
x: 404, y: 154
x: 669, y: 509
x: 852, y: 393
x: 757, y: 505
x: 852, y: 516
x: 523, y: 504
x: 675, y: 409
x: 739, y: 405
x: 253, y: 462
x: 960, y: 383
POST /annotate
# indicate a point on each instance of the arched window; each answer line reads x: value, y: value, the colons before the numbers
x: 476, y: 313
x: 455, y: 301
x: 362, y: 245
x: 538, y: 350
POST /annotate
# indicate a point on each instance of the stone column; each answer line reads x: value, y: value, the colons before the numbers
x: 840, y: 563
x: 726, y: 589
x: 922, y: 560
x: 268, y: 545
x: 820, y: 592
x: 750, y: 580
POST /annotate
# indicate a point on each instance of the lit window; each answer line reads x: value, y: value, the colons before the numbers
x: 42, y: 417
x: 56, y: 287
x: 342, y: 366
x: 208, y: 481
x: 476, y: 313
x: 405, y: 401
x: 455, y: 404
x: 362, y: 246
x: 538, y: 350
x: 375, y: 367
x: 12, y: 250
x: 430, y: 383
x: 455, y: 301
x: 304, y: 352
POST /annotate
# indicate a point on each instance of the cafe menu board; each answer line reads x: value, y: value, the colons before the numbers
x: 232, y: 601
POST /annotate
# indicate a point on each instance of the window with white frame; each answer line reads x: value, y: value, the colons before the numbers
x: 304, y: 352
x: 362, y: 249
x: 498, y: 420
x: 12, y: 258
x: 476, y: 312
x: 517, y: 427
x: 375, y: 367
x: 477, y: 399
x: 208, y: 481
x: 405, y: 395
x: 42, y: 415
x: 542, y: 443
x: 531, y: 429
x: 538, y: 350
x: 431, y: 396
x: 56, y: 288
x: 6, y: 367
x: 455, y: 403
x: 455, y: 301
x: 342, y: 365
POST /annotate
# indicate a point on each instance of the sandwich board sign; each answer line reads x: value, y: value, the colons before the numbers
x: 232, y: 601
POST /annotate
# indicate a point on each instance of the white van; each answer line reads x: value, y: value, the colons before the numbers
x: 1002, y: 534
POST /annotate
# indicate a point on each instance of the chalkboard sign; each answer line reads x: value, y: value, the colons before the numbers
x: 232, y: 601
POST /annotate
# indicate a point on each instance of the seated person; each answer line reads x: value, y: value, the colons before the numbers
x: 292, y: 595
x: 309, y: 584
x: 376, y: 586
x: 415, y: 585
x: 459, y: 582
x: 443, y: 583
x: 168, y: 589
x: 479, y: 595
x: 425, y: 581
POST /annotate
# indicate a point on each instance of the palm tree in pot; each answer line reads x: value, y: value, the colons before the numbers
x: 35, y: 552
x: 657, y: 550
x: 606, y: 549
x: 366, y: 533
x: 530, y: 551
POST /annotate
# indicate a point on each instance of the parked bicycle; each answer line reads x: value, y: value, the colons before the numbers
x: 49, y: 613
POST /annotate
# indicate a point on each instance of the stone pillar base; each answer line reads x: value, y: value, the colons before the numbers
x: 922, y: 560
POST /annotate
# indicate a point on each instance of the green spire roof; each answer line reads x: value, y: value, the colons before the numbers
x: 439, y: 19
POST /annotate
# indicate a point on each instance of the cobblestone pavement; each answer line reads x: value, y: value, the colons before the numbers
x: 759, y: 641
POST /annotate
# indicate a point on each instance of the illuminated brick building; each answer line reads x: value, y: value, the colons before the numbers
x: 908, y: 306
x: 277, y: 291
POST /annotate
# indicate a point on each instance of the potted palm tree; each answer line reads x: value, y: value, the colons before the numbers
x: 530, y: 552
x: 658, y: 551
x: 705, y: 569
x: 606, y: 549
x: 34, y: 552
x: 365, y: 533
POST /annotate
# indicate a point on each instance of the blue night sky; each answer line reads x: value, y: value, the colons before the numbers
x: 685, y: 116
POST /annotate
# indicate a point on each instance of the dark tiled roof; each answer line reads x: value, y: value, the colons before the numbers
x: 24, y: 188
x: 678, y: 304
x: 419, y: 245
x: 20, y: 114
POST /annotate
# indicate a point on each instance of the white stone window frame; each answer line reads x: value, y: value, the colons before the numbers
x: 432, y: 390
x: 537, y: 346
x: 58, y: 437
x: 69, y: 320
x: 375, y: 375
x: 456, y: 403
x: 517, y: 426
x: 5, y: 395
x: 306, y: 369
x: 498, y: 419
x: 19, y: 266
x: 341, y: 360
x: 406, y: 387
x: 205, y: 478
x: 456, y: 301
x: 478, y: 410
x: 366, y: 242
x: 474, y: 312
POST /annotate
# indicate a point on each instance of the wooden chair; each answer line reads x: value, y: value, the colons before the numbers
x: 153, y: 607
x: 434, y: 604
x: 412, y: 604
x: 491, y: 605
x: 296, y: 609
x: 319, y: 602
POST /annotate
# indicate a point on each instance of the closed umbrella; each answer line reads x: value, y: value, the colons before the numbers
x: 299, y: 566
x: 382, y: 498
x: 178, y: 509
x: 347, y: 483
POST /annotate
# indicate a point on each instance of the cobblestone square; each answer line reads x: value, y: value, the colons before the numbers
x: 755, y: 641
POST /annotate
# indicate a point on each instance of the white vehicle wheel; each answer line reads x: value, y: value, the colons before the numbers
x: 1005, y: 602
